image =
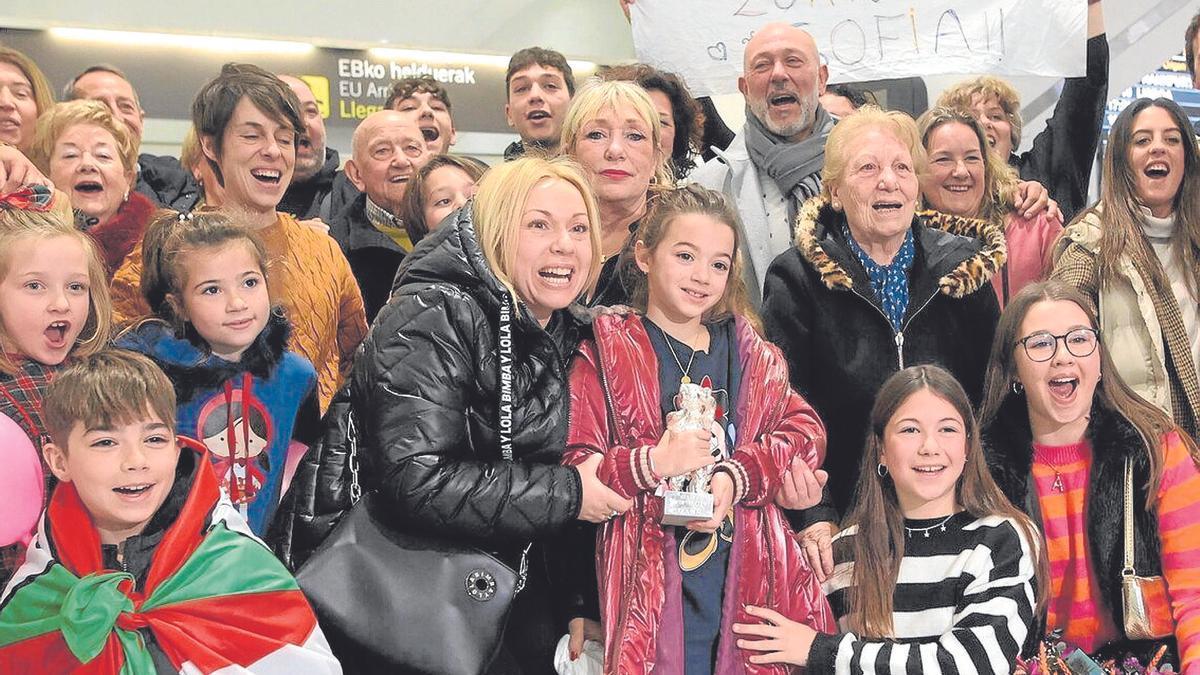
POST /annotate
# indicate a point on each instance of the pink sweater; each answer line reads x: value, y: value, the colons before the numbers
x: 1030, y: 241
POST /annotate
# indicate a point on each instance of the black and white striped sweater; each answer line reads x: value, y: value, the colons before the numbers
x: 963, y: 602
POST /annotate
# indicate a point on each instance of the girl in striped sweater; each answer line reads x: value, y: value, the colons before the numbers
x: 1059, y: 425
x: 936, y: 571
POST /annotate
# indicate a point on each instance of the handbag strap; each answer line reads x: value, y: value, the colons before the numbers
x: 505, y: 406
x: 352, y: 458
x: 1127, y: 570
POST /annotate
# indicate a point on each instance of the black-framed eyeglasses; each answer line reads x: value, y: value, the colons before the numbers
x: 1043, y: 345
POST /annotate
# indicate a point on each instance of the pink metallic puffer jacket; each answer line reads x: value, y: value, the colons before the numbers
x: 766, y: 567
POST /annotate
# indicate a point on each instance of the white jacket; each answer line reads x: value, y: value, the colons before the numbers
x: 763, y: 208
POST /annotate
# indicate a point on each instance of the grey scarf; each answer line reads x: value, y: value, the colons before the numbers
x: 795, y: 167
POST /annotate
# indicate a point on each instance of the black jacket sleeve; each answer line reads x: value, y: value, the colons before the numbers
x: 571, y: 566
x: 414, y: 386
x: 320, y: 493
x: 1062, y: 154
x: 787, y: 320
x: 981, y: 313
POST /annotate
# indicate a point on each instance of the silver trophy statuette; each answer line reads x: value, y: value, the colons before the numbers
x: 687, y: 497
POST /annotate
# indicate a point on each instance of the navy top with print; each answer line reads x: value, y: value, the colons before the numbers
x: 703, y: 558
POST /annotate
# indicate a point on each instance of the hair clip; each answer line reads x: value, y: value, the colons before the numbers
x: 28, y: 198
x: 185, y: 216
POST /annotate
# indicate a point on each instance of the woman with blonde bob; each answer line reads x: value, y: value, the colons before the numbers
x: 91, y: 155
x: 1061, y: 428
x: 872, y: 286
x: 935, y: 569
x: 489, y: 289
x: 612, y: 129
x: 1136, y: 254
x: 964, y: 179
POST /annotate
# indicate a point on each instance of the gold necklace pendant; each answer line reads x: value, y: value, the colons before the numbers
x: 686, y: 379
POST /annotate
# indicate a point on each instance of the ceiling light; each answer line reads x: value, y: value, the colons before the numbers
x: 205, y: 42
x: 498, y: 60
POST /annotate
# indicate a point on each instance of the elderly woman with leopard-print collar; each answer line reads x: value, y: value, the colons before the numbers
x: 870, y: 287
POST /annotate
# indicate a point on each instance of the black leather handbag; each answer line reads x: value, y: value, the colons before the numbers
x: 400, y: 603
x: 395, y: 602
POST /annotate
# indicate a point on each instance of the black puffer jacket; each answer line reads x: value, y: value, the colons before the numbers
x: 164, y: 180
x: 426, y: 390
x: 1062, y: 154
x: 303, y: 200
x: 819, y: 308
x: 373, y: 256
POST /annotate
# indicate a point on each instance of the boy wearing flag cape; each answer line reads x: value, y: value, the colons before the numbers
x: 140, y: 564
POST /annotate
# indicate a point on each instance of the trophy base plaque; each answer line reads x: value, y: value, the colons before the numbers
x: 681, y: 508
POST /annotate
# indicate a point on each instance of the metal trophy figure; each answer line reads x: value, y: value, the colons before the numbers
x: 687, y: 497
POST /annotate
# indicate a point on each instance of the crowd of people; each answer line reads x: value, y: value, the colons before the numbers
x: 857, y: 393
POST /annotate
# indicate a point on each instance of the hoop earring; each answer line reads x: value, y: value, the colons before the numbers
x: 881, y: 470
x: 1018, y: 388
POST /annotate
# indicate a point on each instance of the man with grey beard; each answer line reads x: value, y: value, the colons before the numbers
x: 775, y: 164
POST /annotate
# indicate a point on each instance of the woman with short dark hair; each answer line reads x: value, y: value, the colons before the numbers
x: 247, y: 121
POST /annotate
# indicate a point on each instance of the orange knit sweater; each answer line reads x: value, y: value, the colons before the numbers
x: 1074, y: 604
x: 309, y: 276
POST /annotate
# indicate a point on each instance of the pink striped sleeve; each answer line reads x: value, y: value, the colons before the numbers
x: 1179, y: 521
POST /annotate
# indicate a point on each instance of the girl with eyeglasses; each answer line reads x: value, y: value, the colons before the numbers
x: 1060, y: 425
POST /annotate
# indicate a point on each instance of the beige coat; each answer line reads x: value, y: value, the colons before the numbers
x: 1137, y: 336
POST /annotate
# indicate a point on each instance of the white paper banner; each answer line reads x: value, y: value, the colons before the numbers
x: 703, y: 40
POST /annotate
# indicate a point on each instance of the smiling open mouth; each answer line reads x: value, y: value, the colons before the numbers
x: 1063, y: 387
x: 536, y: 115
x: 268, y: 176
x: 930, y: 470
x: 556, y: 276
x: 1157, y: 170
x: 957, y: 188
x: 89, y: 187
x: 885, y: 207
x: 133, y: 490
x: 57, y: 332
